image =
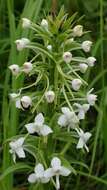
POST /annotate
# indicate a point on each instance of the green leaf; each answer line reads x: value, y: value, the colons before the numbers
x: 79, y: 163
x: 72, y: 46
x: 65, y: 136
x: 13, y: 168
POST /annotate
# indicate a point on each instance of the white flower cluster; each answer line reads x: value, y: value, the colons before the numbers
x: 70, y: 116
x: 26, y: 68
x: 44, y: 176
x: 23, y: 102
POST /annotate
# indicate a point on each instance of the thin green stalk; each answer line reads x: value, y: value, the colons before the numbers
x: 101, y: 36
x: 95, y: 178
x: 100, y: 113
x: 9, y: 132
x: 56, y: 84
x: 98, y: 127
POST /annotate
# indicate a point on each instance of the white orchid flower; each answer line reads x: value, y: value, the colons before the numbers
x: 76, y: 84
x: 22, y: 43
x: 50, y: 96
x: 91, y: 98
x: 17, y: 148
x: 57, y: 169
x: 82, y: 109
x: 15, y: 69
x: 44, y: 24
x: 78, y: 31
x: 67, y: 57
x: 91, y: 61
x: 83, y: 138
x: 26, y: 23
x: 86, y: 46
x: 38, y: 175
x: 69, y: 41
x: 26, y: 101
x: 83, y: 67
x: 49, y: 47
x: 38, y: 126
x: 23, y: 103
x: 27, y: 67
x: 68, y: 118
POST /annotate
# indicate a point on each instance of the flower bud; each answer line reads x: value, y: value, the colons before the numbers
x: 91, y: 61
x: 22, y: 43
x: 76, y: 84
x: 15, y: 69
x: 50, y: 96
x: 91, y: 98
x: 26, y: 101
x: 44, y: 24
x: 78, y: 30
x: 26, y: 23
x: 69, y: 41
x: 67, y: 57
x: 49, y: 47
x: 27, y: 67
x: 83, y: 67
x: 86, y: 46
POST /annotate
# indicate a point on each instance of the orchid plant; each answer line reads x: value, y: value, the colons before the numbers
x: 57, y: 97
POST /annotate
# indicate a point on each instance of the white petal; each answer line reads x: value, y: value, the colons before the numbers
x: 45, y: 180
x: 32, y: 178
x: 62, y: 121
x: 17, y: 143
x: 12, y: 145
x: 39, y: 170
x: 80, y: 143
x: 65, y: 110
x: 86, y: 107
x: 56, y: 163
x: 77, y: 105
x: 86, y: 147
x: 87, y: 135
x: 49, y: 173
x: 39, y: 119
x: 73, y: 119
x: 14, y: 157
x: 20, y: 141
x: 13, y: 96
x: 20, y: 152
x: 45, y: 130
x: 30, y: 128
x: 81, y: 114
x: 18, y: 104
x: 79, y: 131
x: 64, y: 171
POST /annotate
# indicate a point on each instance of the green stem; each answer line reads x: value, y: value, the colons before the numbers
x: 99, y: 122
x: 56, y: 84
x: 101, y: 37
x: 66, y: 147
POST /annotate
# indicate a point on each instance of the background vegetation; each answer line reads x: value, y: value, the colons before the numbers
x: 94, y: 18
